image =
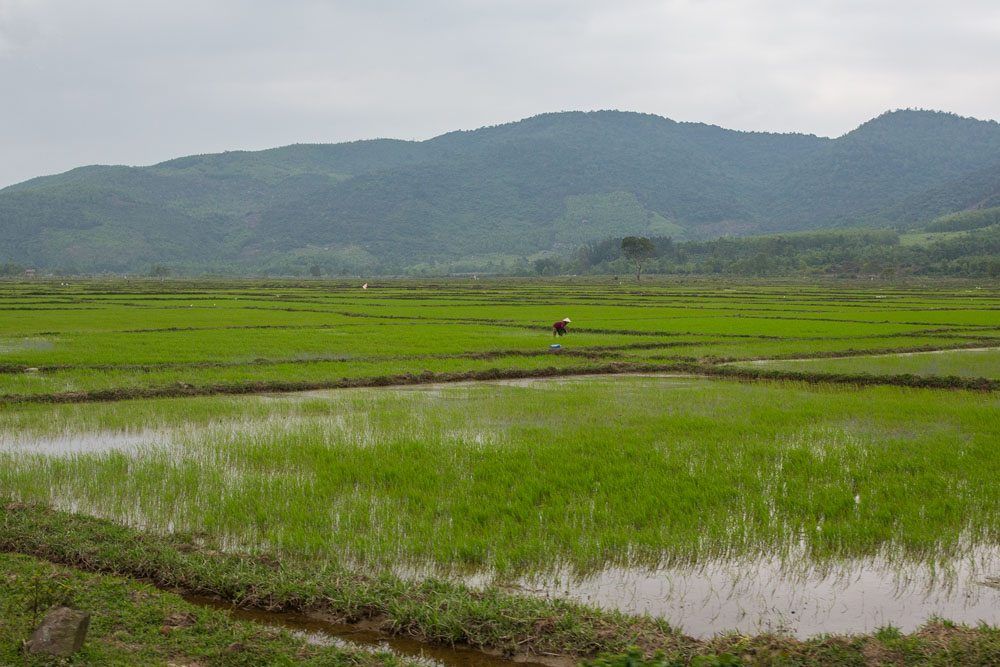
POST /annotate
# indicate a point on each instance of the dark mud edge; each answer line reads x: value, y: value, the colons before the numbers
x: 855, y: 379
x: 446, y: 613
x: 595, y: 352
x: 974, y: 344
x: 428, y: 377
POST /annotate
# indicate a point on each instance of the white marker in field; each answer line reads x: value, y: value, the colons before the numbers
x: 365, y: 286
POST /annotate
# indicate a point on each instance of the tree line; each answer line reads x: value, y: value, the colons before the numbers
x: 835, y: 253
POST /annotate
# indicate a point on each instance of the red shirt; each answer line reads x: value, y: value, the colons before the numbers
x: 559, y: 325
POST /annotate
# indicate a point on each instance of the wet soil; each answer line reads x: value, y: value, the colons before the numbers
x: 314, y: 628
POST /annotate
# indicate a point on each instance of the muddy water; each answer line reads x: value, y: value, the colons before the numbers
x: 318, y: 631
x: 766, y: 595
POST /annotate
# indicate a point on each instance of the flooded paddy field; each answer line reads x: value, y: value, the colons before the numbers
x: 621, y: 471
x: 679, y: 488
x: 108, y: 340
x: 796, y: 597
x: 972, y: 362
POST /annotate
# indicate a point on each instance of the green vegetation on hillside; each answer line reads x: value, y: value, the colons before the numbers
x: 965, y: 220
x: 544, y: 184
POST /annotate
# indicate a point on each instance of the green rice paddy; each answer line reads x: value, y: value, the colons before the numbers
x: 58, y: 339
x: 661, y: 462
x: 582, y: 472
x: 977, y: 362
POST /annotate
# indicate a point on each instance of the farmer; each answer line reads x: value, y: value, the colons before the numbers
x: 559, y: 328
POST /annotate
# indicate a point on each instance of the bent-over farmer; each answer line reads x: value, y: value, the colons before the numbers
x: 559, y: 328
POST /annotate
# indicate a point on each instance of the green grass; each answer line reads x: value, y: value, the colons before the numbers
x: 116, y: 340
x: 963, y: 363
x: 569, y: 472
x: 580, y: 471
x: 434, y: 610
x: 27, y: 384
x: 134, y: 623
x: 103, y: 336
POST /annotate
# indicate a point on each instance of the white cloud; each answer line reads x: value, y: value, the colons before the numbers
x: 118, y: 81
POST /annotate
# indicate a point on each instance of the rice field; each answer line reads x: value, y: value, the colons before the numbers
x: 973, y: 362
x: 583, y: 472
x: 103, y: 337
x: 437, y: 434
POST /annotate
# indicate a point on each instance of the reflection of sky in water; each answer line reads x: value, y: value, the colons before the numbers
x: 82, y: 443
x: 8, y: 345
x: 178, y: 437
x: 759, y: 595
x: 556, y: 382
x: 748, y: 596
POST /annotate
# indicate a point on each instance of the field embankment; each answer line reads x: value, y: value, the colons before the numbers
x: 134, y: 619
x: 414, y: 454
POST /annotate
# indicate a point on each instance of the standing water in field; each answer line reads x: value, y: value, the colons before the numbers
x: 435, y: 475
x: 70, y: 442
x: 766, y: 594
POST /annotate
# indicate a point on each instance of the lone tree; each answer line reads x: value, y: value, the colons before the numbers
x: 638, y: 249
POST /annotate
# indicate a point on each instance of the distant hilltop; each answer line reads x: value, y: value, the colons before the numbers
x: 543, y: 184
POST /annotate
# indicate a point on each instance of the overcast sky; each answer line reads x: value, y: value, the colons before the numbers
x: 139, y: 81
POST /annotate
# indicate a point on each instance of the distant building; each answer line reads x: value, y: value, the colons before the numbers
x: 29, y: 273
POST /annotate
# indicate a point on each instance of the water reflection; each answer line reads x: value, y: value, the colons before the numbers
x: 789, y: 594
x: 82, y: 443
x: 798, y: 598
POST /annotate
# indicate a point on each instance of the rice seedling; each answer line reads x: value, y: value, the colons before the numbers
x: 811, y: 462
x: 99, y: 337
x: 976, y: 362
x: 514, y: 478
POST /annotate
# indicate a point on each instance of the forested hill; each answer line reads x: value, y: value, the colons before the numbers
x: 547, y: 183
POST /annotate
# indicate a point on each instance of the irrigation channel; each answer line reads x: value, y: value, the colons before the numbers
x: 749, y: 595
x: 314, y: 629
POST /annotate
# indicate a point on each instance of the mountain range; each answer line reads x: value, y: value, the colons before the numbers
x: 545, y: 184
